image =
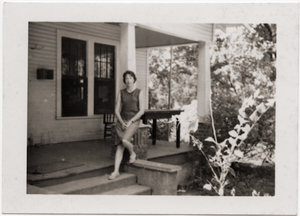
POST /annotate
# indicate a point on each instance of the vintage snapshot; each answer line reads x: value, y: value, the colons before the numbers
x: 175, y: 112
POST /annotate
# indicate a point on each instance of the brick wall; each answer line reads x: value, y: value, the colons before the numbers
x: 204, y: 131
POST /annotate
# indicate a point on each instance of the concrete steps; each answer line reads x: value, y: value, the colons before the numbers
x: 67, y: 176
x: 130, y: 190
x: 125, y: 184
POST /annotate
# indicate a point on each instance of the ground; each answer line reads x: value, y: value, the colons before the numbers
x: 259, y: 178
x: 250, y: 176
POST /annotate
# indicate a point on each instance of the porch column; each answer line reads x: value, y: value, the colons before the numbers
x: 203, y: 91
x: 127, y: 49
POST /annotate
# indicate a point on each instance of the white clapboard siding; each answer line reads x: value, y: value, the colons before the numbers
x: 142, y: 71
x: 43, y: 126
x: 189, y: 31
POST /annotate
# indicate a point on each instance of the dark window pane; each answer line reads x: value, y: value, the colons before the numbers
x: 65, y: 46
x: 103, y: 70
x: 97, y: 69
x: 104, y: 90
x: 82, y: 93
x: 72, y: 67
x: 73, y: 48
x: 74, y: 81
x: 97, y: 58
x: 103, y: 53
x: 104, y: 95
x: 74, y: 96
x: 65, y: 66
x: 111, y: 71
x: 76, y: 67
x: 110, y: 54
x: 81, y: 67
x: 81, y: 49
x: 97, y: 52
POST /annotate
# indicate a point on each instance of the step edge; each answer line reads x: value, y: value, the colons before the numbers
x: 73, y: 185
x: 136, y: 187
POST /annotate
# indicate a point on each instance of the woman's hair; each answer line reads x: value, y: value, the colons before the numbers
x: 131, y: 73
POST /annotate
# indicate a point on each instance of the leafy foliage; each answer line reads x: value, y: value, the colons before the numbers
x: 230, y: 150
x: 183, y: 87
x: 183, y: 77
x: 241, y: 63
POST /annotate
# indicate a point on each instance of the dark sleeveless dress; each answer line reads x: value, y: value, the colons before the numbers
x: 129, y: 108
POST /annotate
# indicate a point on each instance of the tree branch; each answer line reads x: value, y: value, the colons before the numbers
x: 231, y: 84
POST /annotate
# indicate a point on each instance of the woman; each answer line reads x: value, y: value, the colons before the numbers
x: 129, y: 109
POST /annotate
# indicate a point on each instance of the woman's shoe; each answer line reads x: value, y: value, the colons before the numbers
x: 132, y: 158
x: 113, y: 176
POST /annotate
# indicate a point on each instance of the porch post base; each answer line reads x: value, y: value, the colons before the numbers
x: 204, y: 130
x: 162, y: 178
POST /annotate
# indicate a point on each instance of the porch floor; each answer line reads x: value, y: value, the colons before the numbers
x: 94, y: 155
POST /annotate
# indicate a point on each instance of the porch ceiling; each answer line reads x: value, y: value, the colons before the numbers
x: 154, y: 35
x: 223, y: 26
x: 147, y: 38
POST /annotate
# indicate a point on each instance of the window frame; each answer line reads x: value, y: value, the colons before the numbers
x: 90, y: 41
x: 107, y: 80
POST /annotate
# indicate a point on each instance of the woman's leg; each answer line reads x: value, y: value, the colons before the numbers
x: 118, y: 157
x: 129, y: 146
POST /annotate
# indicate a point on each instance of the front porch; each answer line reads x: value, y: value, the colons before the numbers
x: 93, y: 159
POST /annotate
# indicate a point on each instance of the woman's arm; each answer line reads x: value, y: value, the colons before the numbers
x: 141, y: 107
x: 118, y: 108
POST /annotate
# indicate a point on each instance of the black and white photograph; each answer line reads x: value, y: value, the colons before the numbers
x: 150, y: 108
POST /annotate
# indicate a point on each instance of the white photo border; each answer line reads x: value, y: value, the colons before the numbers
x: 15, y: 90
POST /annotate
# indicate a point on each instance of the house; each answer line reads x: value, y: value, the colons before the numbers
x: 75, y: 70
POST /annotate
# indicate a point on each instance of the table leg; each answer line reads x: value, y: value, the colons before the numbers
x: 177, y: 133
x: 144, y: 121
x: 154, y: 131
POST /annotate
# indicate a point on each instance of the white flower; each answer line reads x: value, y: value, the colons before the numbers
x: 246, y: 128
x: 232, y: 192
x: 239, y: 153
x: 207, y: 186
x: 237, y: 127
x: 242, y: 114
x: 254, y: 193
x: 243, y: 136
x: 270, y: 103
x: 193, y: 126
x: 241, y: 117
x: 254, y: 117
x: 229, y: 158
x: 257, y: 92
x: 233, y: 133
x: 261, y: 108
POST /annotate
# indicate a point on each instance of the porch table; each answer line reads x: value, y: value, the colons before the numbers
x: 161, y: 114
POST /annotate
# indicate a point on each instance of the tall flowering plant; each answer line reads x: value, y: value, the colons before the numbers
x: 229, y: 150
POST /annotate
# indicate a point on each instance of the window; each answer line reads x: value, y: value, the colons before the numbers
x: 86, y: 75
x: 74, y: 78
x: 104, y: 81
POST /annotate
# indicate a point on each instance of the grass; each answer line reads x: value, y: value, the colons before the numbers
x: 250, y: 175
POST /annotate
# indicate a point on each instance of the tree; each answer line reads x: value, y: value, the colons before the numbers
x: 183, y: 77
x: 241, y: 63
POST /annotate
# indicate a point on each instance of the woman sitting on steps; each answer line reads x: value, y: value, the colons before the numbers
x: 129, y: 109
